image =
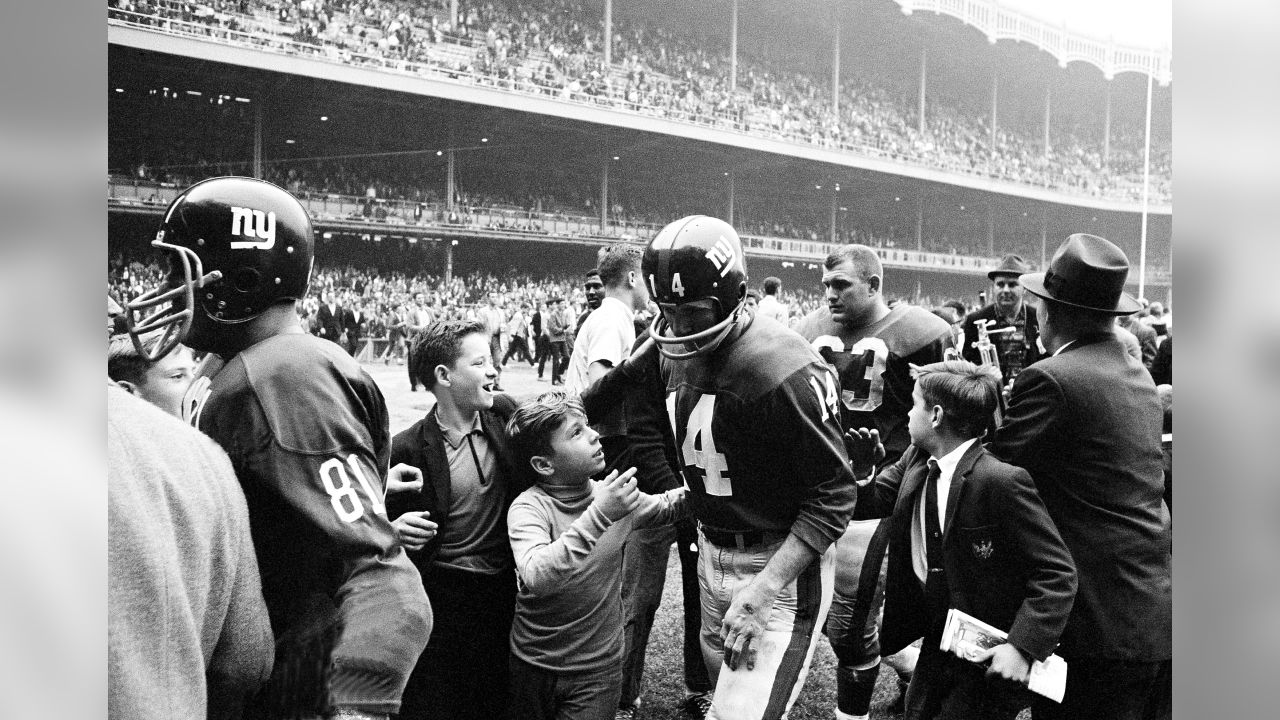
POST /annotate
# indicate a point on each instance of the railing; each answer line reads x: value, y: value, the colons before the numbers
x: 609, y: 98
x: 385, y: 217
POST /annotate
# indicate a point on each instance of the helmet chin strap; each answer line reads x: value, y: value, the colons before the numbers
x: 717, y: 333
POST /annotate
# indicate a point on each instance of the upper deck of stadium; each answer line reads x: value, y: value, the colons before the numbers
x: 1064, y: 131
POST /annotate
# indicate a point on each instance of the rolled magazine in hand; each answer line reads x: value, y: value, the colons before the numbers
x: 967, y: 637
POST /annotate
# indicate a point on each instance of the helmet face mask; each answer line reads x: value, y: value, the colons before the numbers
x: 236, y: 246
x: 696, y: 261
x: 700, y: 342
x: 175, y: 301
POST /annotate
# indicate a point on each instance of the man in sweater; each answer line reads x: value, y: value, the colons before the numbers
x: 187, y: 628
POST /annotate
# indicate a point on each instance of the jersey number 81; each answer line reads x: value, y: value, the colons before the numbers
x: 342, y: 494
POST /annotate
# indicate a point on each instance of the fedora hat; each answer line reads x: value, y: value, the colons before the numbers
x: 1010, y: 265
x: 1086, y: 272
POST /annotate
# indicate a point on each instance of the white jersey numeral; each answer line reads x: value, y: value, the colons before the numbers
x: 677, y: 287
x: 699, y: 447
x: 342, y: 495
x: 827, y: 399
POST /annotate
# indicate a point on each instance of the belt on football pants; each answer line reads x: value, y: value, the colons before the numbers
x: 742, y: 540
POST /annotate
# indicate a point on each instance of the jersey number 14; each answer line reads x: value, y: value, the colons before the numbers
x: 698, y: 450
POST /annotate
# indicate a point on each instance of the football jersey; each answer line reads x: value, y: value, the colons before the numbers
x: 873, y: 363
x: 307, y: 432
x: 759, y: 437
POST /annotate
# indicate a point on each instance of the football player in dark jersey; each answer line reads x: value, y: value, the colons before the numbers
x: 307, y: 432
x: 872, y: 348
x: 756, y: 418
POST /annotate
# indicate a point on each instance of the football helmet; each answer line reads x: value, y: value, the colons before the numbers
x: 235, y: 246
x: 692, y: 259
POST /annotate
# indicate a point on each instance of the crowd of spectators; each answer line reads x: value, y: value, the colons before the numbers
x: 384, y: 298
x: 555, y: 48
x: 381, y: 195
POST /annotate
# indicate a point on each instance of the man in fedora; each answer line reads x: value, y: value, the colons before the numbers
x: 1085, y: 421
x: 1016, y: 348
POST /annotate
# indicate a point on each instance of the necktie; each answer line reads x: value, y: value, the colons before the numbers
x: 932, y: 526
x: 935, y: 584
x: 475, y: 458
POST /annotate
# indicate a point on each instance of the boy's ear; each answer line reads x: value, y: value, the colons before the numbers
x: 873, y: 283
x: 442, y: 375
x: 541, y: 464
x: 129, y: 387
x: 936, y: 416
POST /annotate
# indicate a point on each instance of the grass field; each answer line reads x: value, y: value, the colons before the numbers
x: 664, y: 680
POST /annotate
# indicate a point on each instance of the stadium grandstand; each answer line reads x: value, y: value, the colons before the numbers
x: 446, y: 139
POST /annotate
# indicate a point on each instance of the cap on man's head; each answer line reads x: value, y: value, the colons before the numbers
x: 1011, y: 264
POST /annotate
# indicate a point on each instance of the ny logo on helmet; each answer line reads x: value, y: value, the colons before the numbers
x: 722, y: 255
x: 246, y: 222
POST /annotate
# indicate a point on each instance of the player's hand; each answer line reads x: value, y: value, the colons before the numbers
x: 865, y: 450
x: 414, y: 530
x: 1007, y: 663
x: 403, y: 478
x: 744, y: 624
x: 617, y: 494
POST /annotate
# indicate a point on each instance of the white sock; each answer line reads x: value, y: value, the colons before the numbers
x: 847, y: 716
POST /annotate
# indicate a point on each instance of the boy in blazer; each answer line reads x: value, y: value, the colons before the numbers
x: 968, y: 532
x: 454, y: 524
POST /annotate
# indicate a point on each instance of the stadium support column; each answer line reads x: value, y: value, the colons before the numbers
x: 835, y: 71
x: 1106, y: 131
x: 608, y: 36
x: 448, y: 260
x: 991, y: 229
x: 920, y: 218
x: 604, y: 196
x: 257, y: 138
x: 733, y: 49
x: 995, y: 95
x: 1146, y: 194
x: 730, y: 213
x: 835, y: 203
x: 453, y: 16
x: 924, y: 77
x: 1048, y: 108
x: 1044, y: 234
x: 449, y: 184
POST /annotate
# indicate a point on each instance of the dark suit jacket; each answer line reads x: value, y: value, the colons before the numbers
x: 1004, y: 561
x: 353, y: 325
x: 330, y: 322
x: 1086, y: 425
x: 422, y: 445
x: 988, y: 312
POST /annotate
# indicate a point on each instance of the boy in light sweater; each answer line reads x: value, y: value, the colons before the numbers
x: 567, y: 533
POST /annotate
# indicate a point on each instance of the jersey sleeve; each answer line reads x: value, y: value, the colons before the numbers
x: 806, y: 409
x: 348, y: 608
x: 381, y: 615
